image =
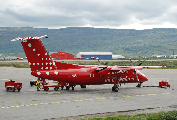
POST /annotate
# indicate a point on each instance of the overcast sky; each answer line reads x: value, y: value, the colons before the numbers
x: 120, y: 14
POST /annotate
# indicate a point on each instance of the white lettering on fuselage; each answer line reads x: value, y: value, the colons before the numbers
x: 120, y: 71
x: 109, y: 80
x: 126, y: 79
x: 120, y: 79
x: 74, y: 75
x: 56, y: 72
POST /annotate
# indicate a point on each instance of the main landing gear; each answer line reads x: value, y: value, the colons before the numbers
x: 116, y: 85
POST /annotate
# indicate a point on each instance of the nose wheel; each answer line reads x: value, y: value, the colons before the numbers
x: 139, y: 85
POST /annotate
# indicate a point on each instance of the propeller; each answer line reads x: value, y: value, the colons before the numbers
x: 106, y: 63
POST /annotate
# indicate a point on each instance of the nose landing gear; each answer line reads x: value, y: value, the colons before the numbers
x: 139, y: 85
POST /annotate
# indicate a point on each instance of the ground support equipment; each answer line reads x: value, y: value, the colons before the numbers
x: 33, y: 82
x: 56, y: 86
x: 163, y: 84
x: 12, y: 85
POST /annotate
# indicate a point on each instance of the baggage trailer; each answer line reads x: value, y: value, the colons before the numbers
x: 163, y: 84
x: 56, y: 86
x: 12, y: 85
x: 33, y: 82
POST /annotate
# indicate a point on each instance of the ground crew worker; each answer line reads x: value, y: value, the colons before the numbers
x: 38, y: 85
x: 57, y: 82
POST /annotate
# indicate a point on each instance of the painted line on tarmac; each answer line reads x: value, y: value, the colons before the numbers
x: 151, y: 94
x: 82, y: 100
x: 50, y: 93
x: 139, y: 95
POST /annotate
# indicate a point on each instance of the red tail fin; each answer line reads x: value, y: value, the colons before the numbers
x: 36, y: 54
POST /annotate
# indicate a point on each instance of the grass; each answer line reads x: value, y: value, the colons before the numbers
x: 12, y: 64
x: 170, y: 115
x: 168, y: 64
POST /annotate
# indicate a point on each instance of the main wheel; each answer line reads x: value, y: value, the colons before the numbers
x: 113, y: 88
x: 72, y: 88
x: 67, y: 87
x: 61, y: 87
x: 56, y: 89
x: 83, y: 86
x: 116, y: 89
x: 19, y: 89
x: 31, y: 83
x: 46, y: 89
x: 13, y: 89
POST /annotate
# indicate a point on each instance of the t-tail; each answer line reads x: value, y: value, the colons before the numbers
x: 37, y: 55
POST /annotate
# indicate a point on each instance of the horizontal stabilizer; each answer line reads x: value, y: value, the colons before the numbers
x: 29, y: 38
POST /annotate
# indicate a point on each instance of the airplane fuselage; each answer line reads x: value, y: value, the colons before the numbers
x: 87, y: 76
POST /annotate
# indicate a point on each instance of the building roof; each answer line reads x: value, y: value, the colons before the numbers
x: 95, y: 53
x: 117, y: 56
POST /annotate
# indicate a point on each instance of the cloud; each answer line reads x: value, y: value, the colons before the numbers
x: 99, y: 13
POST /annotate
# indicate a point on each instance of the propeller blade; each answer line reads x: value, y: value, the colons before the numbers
x: 106, y: 63
x: 99, y: 61
x: 139, y: 64
x: 136, y: 74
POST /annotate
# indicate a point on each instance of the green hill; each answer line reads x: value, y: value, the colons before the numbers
x: 127, y: 42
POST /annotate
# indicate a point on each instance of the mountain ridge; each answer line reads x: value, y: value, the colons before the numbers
x: 127, y: 42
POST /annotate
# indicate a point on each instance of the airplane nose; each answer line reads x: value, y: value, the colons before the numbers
x: 142, y: 77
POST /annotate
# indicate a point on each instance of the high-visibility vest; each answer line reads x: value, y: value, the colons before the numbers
x: 57, y: 82
x: 38, y: 82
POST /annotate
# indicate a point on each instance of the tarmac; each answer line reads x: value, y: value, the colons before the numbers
x: 93, y: 101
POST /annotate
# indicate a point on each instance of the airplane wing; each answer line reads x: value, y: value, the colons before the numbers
x: 122, y: 70
x: 133, y: 67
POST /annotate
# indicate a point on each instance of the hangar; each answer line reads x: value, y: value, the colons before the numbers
x: 94, y: 55
x: 62, y: 55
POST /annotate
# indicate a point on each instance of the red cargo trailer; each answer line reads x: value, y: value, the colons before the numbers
x: 163, y: 84
x: 33, y: 82
x: 56, y: 85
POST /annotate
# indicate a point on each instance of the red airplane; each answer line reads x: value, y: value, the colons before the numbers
x: 43, y: 67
